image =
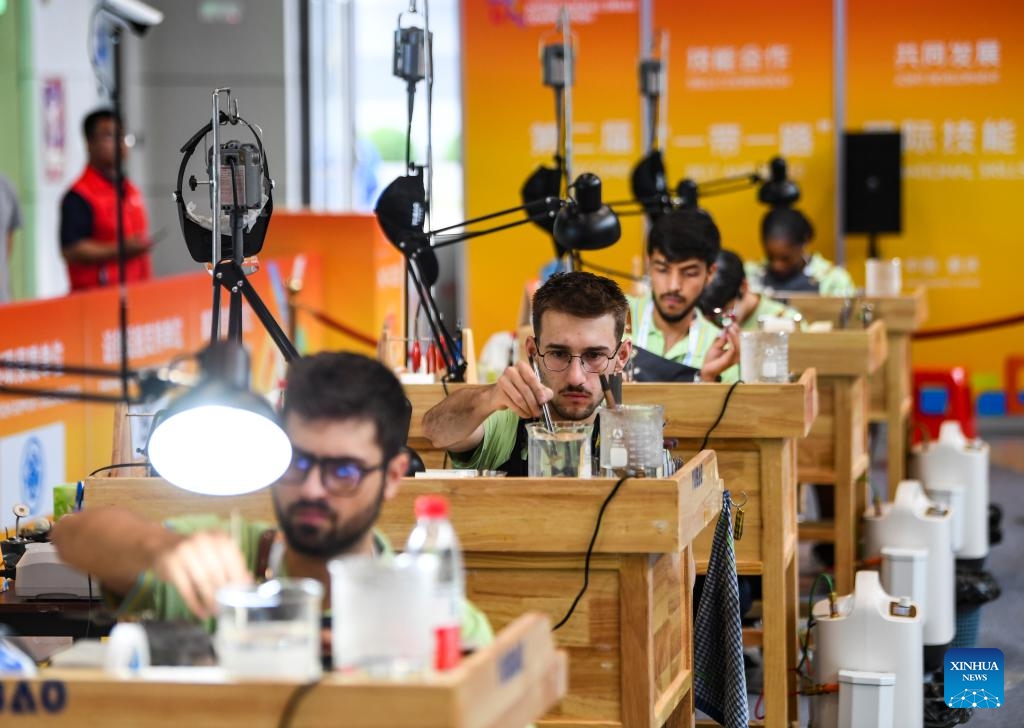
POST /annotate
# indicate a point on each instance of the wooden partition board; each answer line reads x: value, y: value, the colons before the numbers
x: 629, y: 640
x: 505, y: 685
x: 836, y: 450
x: 891, y: 394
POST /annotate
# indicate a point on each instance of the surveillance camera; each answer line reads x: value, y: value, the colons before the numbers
x: 132, y: 14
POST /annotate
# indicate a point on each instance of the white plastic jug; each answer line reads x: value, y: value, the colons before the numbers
x: 954, y: 460
x: 874, y: 632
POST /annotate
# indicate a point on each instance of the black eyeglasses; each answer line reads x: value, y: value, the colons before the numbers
x: 593, y: 362
x: 339, y: 476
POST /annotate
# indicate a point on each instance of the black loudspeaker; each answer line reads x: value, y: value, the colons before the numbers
x: 873, y: 196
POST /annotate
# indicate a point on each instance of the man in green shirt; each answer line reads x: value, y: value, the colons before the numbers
x: 681, y: 251
x: 578, y: 324
x: 786, y: 235
x: 347, y: 418
x: 729, y: 293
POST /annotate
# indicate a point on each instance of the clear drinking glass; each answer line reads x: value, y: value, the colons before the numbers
x: 632, y: 440
x: 883, y: 277
x: 270, y: 629
x: 563, y: 453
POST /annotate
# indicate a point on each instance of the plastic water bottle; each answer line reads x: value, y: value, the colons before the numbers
x: 434, y: 534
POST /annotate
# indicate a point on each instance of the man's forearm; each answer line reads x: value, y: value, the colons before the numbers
x: 88, y: 250
x: 457, y: 417
x: 113, y: 544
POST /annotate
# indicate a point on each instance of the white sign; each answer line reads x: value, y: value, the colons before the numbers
x: 31, y: 463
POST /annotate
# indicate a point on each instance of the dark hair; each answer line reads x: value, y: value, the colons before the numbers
x: 725, y: 284
x: 346, y: 386
x: 787, y: 224
x: 684, y: 234
x: 93, y: 119
x: 583, y: 295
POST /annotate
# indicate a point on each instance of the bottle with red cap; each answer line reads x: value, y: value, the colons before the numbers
x: 433, y: 534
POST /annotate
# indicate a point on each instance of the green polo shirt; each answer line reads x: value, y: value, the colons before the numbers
x: 496, y: 448
x: 155, y: 599
x: 704, y: 331
x: 833, y: 280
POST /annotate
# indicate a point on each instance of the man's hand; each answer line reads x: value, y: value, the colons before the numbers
x: 198, y: 565
x: 137, y: 245
x: 722, y: 354
x: 519, y: 390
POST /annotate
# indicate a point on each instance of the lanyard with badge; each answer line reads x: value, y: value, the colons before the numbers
x: 691, y: 336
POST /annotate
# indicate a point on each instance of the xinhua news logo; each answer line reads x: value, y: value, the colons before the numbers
x: 974, y: 677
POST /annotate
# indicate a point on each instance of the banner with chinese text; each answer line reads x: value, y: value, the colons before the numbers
x: 749, y: 80
x: 509, y: 129
x: 952, y: 81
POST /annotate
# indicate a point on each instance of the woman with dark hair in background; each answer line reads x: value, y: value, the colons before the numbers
x: 729, y: 292
x: 785, y: 235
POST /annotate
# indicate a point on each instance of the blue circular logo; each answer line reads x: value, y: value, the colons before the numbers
x: 32, y: 464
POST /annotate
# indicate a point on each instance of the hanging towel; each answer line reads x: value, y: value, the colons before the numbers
x: 720, y: 685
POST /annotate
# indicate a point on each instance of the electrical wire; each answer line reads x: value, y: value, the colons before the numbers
x: 721, y: 414
x: 115, y: 466
x: 590, y: 551
x: 294, y: 700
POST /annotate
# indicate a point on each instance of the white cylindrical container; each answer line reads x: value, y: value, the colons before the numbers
x: 955, y: 460
x: 866, y: 699
x: 913, y: 521
x: 873, y: 633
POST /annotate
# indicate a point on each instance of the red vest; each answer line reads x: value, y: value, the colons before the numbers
x: 99, y: 193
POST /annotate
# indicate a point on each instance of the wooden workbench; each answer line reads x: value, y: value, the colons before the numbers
x: 505, y: 685
x: 630, y: 641
x: 892, y: 397
x: 836, y: 450
x: 756, y: 444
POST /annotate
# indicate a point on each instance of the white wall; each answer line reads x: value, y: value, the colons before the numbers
x: 59, y: 49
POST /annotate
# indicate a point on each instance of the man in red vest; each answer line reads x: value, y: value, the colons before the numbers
x: 88, y: 224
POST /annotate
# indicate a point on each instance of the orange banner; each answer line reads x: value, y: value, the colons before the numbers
x: 952, y: 81
x: 749, y: 80
x: 510, y: 127
x: 46, y: 441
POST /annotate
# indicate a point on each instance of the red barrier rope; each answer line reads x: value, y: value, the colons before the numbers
x: 969, y: 328
x: 338, y: 326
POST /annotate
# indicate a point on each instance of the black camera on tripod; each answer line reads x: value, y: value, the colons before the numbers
x: 240, y: 175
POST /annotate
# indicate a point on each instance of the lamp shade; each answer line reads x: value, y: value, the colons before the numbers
x: 220, y: 438
x: 779, y: 190
x: 585, y: 223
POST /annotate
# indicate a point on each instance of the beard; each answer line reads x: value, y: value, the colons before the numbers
x: 673, y: 318
x: 336, y: 539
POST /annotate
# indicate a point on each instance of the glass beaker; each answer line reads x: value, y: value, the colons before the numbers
x: 270, y: 629
x: 382, y: 615
x: 883, y: 277
x: 632, y: 440
x: 562, y: 453
x: 764, y: 356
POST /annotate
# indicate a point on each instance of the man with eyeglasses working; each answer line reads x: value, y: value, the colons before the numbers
x: 347, y: 418
x: 578, y: 323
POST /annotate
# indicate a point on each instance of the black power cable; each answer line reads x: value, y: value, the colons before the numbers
x: 590, y: 551
x: 721, y: 414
